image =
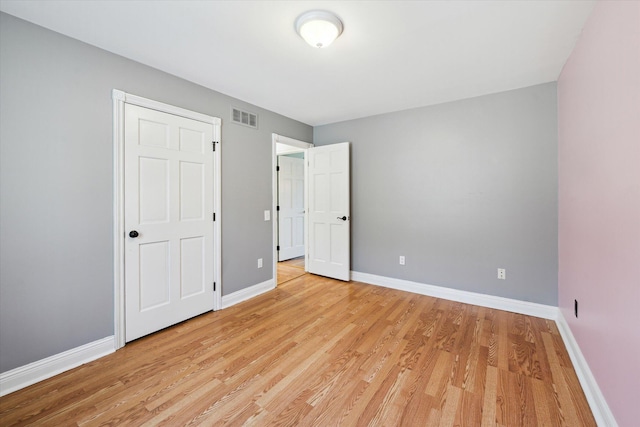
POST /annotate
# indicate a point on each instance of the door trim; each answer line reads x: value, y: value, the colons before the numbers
x: 275, y: 138
x: 119, y: 99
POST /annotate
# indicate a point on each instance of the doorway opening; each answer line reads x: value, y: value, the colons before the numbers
x: 289, y: 207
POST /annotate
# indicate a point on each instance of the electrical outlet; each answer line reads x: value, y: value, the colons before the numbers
x: 401, y: 260
x: 502, y: 274
x: 259, y: 262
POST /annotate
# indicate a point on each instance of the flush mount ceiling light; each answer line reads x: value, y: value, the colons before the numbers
x: 319, y: 28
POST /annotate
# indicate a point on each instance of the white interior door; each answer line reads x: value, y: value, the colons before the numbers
x: 291, y: 204
x: 168, y: 208
x: 329, y: 213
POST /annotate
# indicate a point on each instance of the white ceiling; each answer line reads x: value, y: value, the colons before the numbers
x: 392, y: 55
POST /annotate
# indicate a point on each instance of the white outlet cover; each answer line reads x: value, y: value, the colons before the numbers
x: 259, y: 262
x: 267, y: 215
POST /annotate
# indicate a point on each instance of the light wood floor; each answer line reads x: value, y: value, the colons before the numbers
x: 290, y: 269
x: 321, y: 352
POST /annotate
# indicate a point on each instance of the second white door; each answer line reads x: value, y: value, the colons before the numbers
x: 291, y: 207
x: 168, y: 219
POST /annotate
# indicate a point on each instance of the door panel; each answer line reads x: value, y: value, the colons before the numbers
x: 192, y: 191
x: 192, y: 266
x: 329, y: 234
x: 168, y: 202
x: 154, y: 190
x: 193, y: 141
x: 153, y: 134
x: 154, y: 284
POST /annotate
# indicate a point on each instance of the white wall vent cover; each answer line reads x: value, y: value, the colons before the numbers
x: 244, y: 118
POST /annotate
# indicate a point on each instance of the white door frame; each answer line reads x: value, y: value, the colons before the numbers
x: 275, y: 139
x: 119, y: 99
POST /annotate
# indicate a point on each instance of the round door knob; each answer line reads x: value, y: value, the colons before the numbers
x: 133, y: 234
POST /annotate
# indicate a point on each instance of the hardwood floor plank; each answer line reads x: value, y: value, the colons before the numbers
x: 391, y: 403
x: 246, y: 410
x: 515, y: 397
x: 540, y: 397
x: 329, y: 406
x: 565, y: 405
x: 333, y: 408
x: 440, y: 374
x: 319, y: 352
x: 578, y: 398
x: 504, y: 346
x: 381, y: 399
x: 451, y: 403
x: 470, y: 410
x: 523, y: 358
x: 363, y: 405
x: 418, y: 408
x: 489, y: 405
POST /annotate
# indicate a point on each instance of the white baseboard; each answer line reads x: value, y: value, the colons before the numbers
x: 597, y: 403
x: 32, y: 373
x: 500, y: 303
x: 247, y: 293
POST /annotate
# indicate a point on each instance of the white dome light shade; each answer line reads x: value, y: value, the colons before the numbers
x: 319, y: 28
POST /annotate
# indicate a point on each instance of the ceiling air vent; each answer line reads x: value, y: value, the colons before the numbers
x: 244, y: 118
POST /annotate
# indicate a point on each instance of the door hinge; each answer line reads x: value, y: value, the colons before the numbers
x: 277, y: 248
x: 277, y: 168
x: 214, y: 286
x: 214, y: 216
x: 277, y: 208
x: 213, y: 144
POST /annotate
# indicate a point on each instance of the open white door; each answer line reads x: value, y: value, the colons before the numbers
x: 329, y: 214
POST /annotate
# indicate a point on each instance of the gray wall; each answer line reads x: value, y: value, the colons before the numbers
x: 56, y: 279
x: 459, y: 189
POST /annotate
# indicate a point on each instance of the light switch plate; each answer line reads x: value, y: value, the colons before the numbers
x: 267, y: 215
